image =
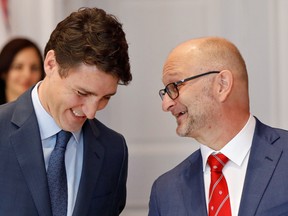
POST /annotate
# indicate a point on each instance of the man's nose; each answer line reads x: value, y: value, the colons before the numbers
x: 90, y: 108
x: 167, y: 103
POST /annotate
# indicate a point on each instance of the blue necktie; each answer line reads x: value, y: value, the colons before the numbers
x: 56, y: 175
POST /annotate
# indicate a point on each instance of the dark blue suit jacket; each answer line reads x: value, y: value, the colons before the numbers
x: 23, y: 182
x: 180, y: 192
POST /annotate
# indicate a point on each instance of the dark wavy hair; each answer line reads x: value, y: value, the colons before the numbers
x: 7, y: 55
x: 93, y: 37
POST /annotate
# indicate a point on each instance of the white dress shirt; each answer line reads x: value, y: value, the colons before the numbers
x: 74, y: 150
x: 238, y: 151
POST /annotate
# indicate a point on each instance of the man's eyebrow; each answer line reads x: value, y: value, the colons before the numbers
x: 110, y: 95
x: 92, y: 93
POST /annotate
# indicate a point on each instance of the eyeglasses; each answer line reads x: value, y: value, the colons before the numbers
x: 172, y: 88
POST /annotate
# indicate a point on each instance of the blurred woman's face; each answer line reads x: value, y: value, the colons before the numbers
x: 24, y: 72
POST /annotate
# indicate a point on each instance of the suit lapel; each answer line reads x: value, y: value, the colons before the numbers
x: 92, y: 161
x: 26, y: 143
x: 263, y: 161
x: 191, y: 185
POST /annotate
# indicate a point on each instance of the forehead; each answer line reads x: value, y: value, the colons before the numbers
x: 176, y: 67
x: 90, y: 78
x: 27, y: 54
x: 184, y: 61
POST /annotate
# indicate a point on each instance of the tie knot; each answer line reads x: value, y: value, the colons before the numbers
x: 217, y: 162
x: 62, y: 139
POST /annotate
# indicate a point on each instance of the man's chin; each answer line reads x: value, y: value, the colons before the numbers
x: 180, y: 132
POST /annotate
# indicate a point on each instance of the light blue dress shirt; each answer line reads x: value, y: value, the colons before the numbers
x: 74, y: 151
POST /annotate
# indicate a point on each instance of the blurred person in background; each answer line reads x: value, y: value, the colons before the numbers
x: 21, y: 66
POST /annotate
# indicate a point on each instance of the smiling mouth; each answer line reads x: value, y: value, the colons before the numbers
x: 180, y: 114
x: 78, y: 114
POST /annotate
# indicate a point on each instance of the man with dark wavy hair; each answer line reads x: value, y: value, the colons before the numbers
x: 86, y: 58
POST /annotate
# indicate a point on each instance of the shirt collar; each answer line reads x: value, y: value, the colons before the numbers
x: 47, y: 125
x: 237, y: 149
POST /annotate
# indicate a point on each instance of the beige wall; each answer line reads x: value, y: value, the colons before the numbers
x: 153, y: 27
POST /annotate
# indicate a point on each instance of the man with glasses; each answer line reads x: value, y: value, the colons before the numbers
x: 240, y: 168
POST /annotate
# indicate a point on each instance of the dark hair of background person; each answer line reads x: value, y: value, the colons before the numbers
x: 93, y: 39
x: 7, y: 55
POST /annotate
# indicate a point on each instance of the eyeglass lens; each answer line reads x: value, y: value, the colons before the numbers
x: 172, y: 90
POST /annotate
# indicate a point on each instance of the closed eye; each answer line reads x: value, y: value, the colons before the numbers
x: 81, y: 93
x: 106, y: 98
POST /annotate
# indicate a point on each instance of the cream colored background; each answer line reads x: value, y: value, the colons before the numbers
x: 153, y: 27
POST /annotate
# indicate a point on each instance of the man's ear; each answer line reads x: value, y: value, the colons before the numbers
x: 224, y: 84
x: 50, y: 63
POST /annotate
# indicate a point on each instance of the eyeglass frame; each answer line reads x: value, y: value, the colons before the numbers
x: 162, y: 92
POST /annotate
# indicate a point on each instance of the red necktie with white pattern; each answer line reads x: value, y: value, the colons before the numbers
x: 219, y: 202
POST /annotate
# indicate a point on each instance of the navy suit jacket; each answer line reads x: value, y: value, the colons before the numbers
x: 180, y: 192
x: 23, y: 182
